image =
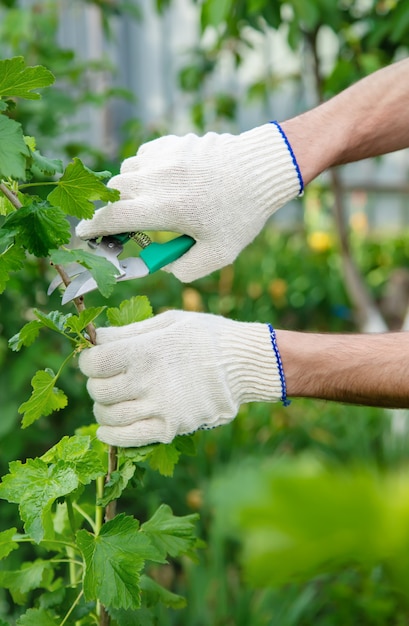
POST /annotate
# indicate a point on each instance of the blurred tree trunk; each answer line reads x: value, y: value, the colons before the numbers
x: 368, y: 316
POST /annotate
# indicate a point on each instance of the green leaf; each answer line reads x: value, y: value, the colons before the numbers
x: 77, y: 323
x: 45, y: 398
x: 297, y: 519
x: 38, y: 617
x: 101, y: 270
x: 17, y: 80
x: 31, y: 576
x: 55, y: 320
x: 7, y: 544
x: 11, y: 260
x: 40, y: 226
x: 13, y: 150
x: 114, y: 560
x: 27, y: 335
x: 170, y: 534
x: 164, y: 458
x: 6, y: 207
x: 118, y: 481
x: 77, y: 188
x: 44, y: 165
x: 136, y: 309
x: 185, y: 444
x: 35, y: 486
x: 137, y: 455
x: 79, y: 452
x: 214, y: 12
x: 153, y: 593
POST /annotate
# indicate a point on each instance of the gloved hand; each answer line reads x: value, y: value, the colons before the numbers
x: 219, y: 189
x: 175, y: 373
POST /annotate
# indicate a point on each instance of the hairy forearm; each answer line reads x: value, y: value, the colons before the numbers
x: 370, y: 369
x: 368, y: 119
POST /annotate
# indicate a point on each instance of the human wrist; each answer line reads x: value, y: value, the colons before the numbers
x: 316, y: 140
x: 296, y: 355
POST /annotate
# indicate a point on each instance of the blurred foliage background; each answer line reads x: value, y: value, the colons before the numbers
x: 312, y: 499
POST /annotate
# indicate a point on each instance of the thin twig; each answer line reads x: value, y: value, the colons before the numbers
x: 11, y: 197
x: 110, y: 510
x: 78, y: 302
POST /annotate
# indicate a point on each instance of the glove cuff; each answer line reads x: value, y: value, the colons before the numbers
x: 252, y: 363
x: 278, y: 176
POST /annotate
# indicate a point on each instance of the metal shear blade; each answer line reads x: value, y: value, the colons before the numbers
x: 131, y: 268
x: 152, y: 258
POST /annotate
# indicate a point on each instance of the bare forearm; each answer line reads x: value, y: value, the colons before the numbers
x: 371, y: 369
x: 368, y: 119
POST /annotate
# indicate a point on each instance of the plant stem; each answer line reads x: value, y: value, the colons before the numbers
x: 25, y: 185
x: 11, y: 197
x: 110, y: 509
x: 85, y: 516
x: 78, y: 302
x: 70, y: 512
x: 72, y: 607
x: 99, y: 510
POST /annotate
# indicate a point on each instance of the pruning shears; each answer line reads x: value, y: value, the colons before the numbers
x: 152, y: 257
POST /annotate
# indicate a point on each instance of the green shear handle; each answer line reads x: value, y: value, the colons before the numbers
x: 157, y: 255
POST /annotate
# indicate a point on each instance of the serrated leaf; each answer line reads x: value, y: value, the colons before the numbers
x: 77, y: 188
x: 185, y: 444
x: 44, y: 165
x: 137, y: 455
x: 114, y: 560
x: 170, y: 534
x: 79, y: 452
x: 40, y: 226
x: 77, y: 323
x: 45, y: 398
x: 38, y: 617
x: 17, y: 80
x: 31, y: 576
x: 27, y: 335
x: 11, y: 260
x: 55, y: 320
x: 30, y: 142
x: 135, y: 309
x: 7, y: 544
x: 101, y: 270
x: 13, y: 150
x: 153, y: 593
x: 34, y: 486
x: 164, y: 458
x: 118, y: 481
x: 6, y: 240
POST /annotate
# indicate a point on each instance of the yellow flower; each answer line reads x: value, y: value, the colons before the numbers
x: 319, y: 241
x: 277, y: 289
x: 254, y: 290
x: 194, y: 499
x: 192, y: 300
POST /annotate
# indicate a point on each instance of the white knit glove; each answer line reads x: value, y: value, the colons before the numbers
x: 219, y: 189
x: 175, y: 373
